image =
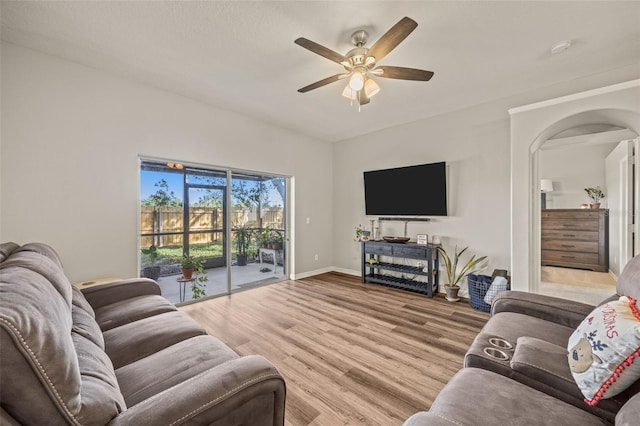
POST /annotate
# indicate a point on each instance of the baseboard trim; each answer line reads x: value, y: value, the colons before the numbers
x: 348, y: 271
x: 312, y: 273
x: 324, y: 271
x: 463, y: 292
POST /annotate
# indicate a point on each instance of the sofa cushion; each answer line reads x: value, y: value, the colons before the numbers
x: 628, y: 415
x: 6, y: 249
x: 130, y: 310
x: 44, y: 267
x: 148, y: 376
x: 138, y: 339
x: 629, y: 280
x: 510, y: 326
x: 474, y: 394
x: 544, y: 362
x: 44, y: 250
x: 602, y: 350
x: 86, y: 326
x: 56, y: 373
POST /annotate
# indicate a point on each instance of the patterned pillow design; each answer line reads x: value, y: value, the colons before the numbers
x: 603, y: 348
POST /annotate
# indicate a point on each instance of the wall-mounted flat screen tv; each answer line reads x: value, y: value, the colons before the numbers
x: 414, y: 190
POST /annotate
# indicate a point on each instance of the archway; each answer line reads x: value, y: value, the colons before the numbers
x: 531, y: 126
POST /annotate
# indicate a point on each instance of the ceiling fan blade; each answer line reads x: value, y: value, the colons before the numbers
x: 392, y: 38
x: 322, y: 82
x: 320, y: 50
x: 402, y: 73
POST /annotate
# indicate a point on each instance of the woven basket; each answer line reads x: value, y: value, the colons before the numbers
x: 478, y: 286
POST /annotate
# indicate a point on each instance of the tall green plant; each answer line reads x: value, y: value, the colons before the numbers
x: 243, y: 235
x: 451, y: 266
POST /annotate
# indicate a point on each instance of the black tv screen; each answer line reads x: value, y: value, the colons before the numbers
x: 414, y: 190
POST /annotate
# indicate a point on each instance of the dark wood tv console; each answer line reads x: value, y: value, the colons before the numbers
x: 384, y: 263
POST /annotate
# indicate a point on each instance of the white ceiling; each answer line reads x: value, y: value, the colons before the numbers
x: 240, y: 56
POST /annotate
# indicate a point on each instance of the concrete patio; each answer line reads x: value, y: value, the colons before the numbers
x: 241, y: 276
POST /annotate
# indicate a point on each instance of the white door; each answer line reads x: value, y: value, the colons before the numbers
x: 621, y: 188
x: 635, y: 191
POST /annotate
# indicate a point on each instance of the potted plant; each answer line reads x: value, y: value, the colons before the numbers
x: 595, y: 194
x: 453, y: 274
x: 275, y: 240
x: 263, y: 236
x: 243, y: 236
x: 362, y: 234
x: 149, y: 258
x: 191, y: 265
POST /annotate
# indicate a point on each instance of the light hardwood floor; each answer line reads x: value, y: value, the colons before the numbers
x: 351, y: 353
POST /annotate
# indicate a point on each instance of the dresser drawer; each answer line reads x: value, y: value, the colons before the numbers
x: 569, y: 245
x: 578, y: 225
x: 386, y: 250
x: 412, y: 251
x: 564, y: 257
x: 570, y: 214
x: 557, y: 234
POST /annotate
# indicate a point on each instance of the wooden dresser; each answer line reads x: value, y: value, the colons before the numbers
x: 576, y: 238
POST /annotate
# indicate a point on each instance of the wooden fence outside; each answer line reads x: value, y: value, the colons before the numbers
x: 158, y: 220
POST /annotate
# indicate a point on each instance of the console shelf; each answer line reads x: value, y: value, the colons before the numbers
x: 411, y: 278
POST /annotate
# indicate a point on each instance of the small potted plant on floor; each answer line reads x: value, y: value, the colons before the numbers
x: 149, y: 258
x: 454, y: 275
x: 595, y: 194
x: 191, y: 265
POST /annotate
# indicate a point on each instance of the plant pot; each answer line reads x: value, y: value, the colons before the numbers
x: 187, y: 273
x: 594, y: 205
x: 242, y: 259
x: 452, y: 293
x: 152, y: 272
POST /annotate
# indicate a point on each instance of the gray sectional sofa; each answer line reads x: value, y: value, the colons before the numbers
x: 117, y: 354
x: 516, y: 371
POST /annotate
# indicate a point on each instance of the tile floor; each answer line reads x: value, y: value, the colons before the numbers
x: 575, y: 284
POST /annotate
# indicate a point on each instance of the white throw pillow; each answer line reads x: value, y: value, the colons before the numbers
x: 499, y: 284
x: 603, y: 348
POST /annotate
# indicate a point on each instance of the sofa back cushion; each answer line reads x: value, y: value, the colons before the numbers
x: 53, y: 366
x: 629, y: 280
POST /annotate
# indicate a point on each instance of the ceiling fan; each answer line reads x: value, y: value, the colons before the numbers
x: 361, y: 63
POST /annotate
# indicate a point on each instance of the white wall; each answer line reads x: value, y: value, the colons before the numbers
x: 71, y: 139
x: 572, y: 169
x: 474, y: 143
x: 531, y: 126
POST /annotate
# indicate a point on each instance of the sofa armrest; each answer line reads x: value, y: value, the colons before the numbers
x: 106, y: 294
x: 554, y: 309
x: 246, y: 390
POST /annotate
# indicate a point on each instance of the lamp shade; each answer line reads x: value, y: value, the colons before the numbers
x: 371, y: 88
x: 348, y: 92
x: 546, y: 185
x: 356, y: 82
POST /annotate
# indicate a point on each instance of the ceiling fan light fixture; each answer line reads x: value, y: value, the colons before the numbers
x: 356, y: 82
x: 348, y: 92
x: 371, y: 88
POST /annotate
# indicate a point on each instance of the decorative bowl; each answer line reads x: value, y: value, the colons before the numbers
x: 396, y: 239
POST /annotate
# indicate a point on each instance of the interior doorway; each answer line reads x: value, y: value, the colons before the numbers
x: 579, y: 158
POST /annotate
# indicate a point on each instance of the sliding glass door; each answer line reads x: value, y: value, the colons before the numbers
x: 231, y: 223
x: 258, y: 229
